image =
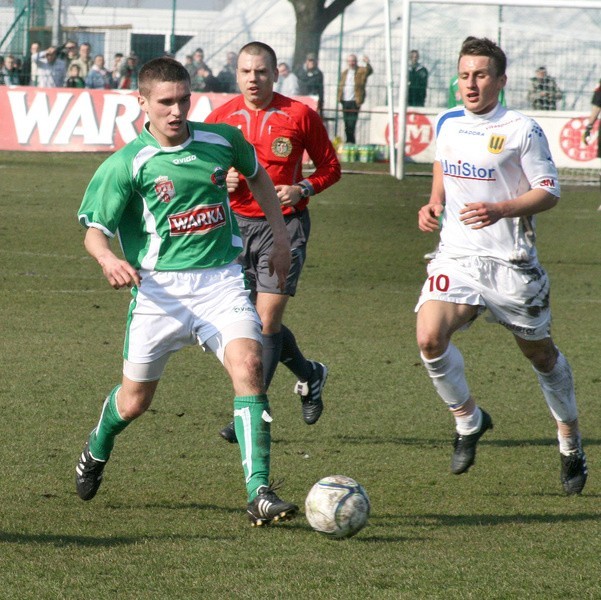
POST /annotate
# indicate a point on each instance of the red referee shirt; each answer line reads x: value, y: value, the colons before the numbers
x: 280, y: 134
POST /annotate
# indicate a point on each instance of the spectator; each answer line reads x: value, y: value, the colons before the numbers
x: 544, y: 91
x: 2, y: 71
x: 128, y: 79
x: 189, y: 65
x: 84, y: 60
x: 51, y: 70
x: 116, y: 69
x: 204, y: 80
x: 418, y: 81
x: 227, y: 76
x: 99, y: 78
x: 351, y: 93
x: 287, y: 82
x: 74, y: 79
x: 310, y: 80
x: 29, y: 71
x: 198, y: 62
x: 69, y: 52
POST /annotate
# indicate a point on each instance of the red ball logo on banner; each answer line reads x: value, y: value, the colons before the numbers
x: 418, y: 133
x: 570, y: 140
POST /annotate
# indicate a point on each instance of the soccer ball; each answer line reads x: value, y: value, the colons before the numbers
x: 337, y: 506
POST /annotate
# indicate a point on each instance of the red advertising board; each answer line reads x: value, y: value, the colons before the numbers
x: 80, y: 120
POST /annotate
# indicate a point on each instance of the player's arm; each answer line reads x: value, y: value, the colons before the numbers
x: 118, y: 272
x: 482, y: 214
x: 263, y: 191
x: 428, y: 217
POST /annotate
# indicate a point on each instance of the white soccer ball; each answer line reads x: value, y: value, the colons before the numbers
x: 337, y: 506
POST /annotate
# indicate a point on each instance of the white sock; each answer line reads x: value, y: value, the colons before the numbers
x: 469, y: 424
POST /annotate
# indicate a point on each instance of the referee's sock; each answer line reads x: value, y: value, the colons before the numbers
x: 293, y: 358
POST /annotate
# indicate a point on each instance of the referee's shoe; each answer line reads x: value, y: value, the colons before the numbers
x: 310, y: 392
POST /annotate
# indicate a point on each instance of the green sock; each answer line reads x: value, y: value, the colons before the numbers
x: 102, y: 438
x: 252, y: 423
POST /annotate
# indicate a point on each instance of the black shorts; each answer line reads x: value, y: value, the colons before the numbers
x: 258, y: 241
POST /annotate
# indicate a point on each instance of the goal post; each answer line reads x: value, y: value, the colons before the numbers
x: 563, y: 35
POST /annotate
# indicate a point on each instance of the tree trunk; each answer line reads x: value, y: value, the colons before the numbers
x: 312, y: 17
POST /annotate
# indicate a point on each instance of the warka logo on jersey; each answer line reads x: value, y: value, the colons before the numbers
x: 197, y: 221
x: 164, y: 188
x: 496, y: 144
x: 281, y: 147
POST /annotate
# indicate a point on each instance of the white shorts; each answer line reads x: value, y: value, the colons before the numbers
x: 174, y: 309
x: 517, y: 297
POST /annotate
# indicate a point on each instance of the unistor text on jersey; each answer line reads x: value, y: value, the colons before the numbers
x: 466, y: 170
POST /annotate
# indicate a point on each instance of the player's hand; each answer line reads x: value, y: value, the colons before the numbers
x: 428, y: 217
x: 479, y: 214
x: 279, y: 261
x: 119, y: 273
x: 587, y: 135
x: 288, y: 195
x: 232, y: 180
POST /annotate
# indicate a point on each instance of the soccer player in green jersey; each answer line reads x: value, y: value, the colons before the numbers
x: 164, y: 194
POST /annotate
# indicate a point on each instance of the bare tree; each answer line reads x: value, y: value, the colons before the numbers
x: 312, y: 17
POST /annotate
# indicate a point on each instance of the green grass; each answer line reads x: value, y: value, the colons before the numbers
x: 169, y: 519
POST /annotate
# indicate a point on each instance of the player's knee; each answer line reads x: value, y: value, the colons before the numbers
x: 430, y: 344
x: 543, y: 357
x: 131, y: 405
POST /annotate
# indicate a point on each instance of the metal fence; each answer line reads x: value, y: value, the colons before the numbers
x: 530, y: 37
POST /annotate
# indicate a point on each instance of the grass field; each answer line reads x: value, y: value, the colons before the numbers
x: 169, y: 519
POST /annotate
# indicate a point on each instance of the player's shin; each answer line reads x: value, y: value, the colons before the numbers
x: 448, y: 376
x: 558, y: 389
x: 102, y: 437
x: 252, y: 422
x: 272, y: 350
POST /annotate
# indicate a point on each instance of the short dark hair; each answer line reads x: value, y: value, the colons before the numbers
x: 256, y: 48
x: 473, y: 46
x: 161, y: 69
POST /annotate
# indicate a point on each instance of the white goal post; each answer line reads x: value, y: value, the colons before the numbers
x: 531, y: 42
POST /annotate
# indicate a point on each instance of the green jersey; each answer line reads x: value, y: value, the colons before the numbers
x: 169, y: 206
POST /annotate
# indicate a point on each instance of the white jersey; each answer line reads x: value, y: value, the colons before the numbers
x: 491, y: 158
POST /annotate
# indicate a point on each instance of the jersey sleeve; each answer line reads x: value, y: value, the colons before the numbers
x: 106, y: 196
x: 321, y: 151
x: 537, y: 162
x: 245, y: 157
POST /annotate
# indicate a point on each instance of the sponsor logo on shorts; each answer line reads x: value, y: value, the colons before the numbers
x: 218, y: 177
x: 466, y: 170
x: 518, y: 328
x: 186, y: 159
x: 496, y: 144
x: 281, y: 147
x: 244, y: 309
x: 164, y: 188
x: 197, y: 221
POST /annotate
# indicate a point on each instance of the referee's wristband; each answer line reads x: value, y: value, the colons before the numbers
x: 305, y: 189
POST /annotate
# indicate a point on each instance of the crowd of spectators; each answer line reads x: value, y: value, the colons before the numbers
x: 69, y: 65
x: 74, y: 65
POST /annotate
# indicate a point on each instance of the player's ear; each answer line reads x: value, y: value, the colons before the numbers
x: 142, y: 102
